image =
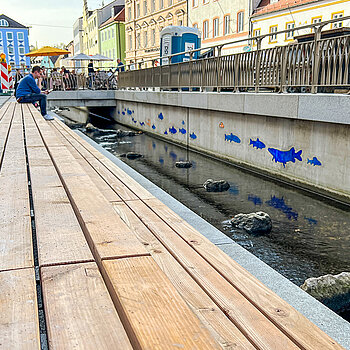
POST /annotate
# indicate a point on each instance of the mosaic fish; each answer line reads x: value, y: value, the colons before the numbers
x: 193, y: 136
x: 255, y: 199
x: 123, y: 113
x: 165, y: 132
x: 311, y: 221
x: 142, y: 123
x: 285, y: 156
x: 183, y: 131
x: 314, y: 161
x: 129, y: 111
x: 183, y: 122
x: 258, y: 144
x: 153, y: 127
x: 160, y: 116
x: 173, y: 130
x: 232, y: 138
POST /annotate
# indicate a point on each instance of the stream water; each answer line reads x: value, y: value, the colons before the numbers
x: 310, y: 236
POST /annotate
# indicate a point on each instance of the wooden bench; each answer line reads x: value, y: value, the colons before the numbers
x: 118, y: 268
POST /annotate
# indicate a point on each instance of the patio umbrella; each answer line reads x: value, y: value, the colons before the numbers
x: 100, y: 58
x: 47, y: 51
x: 80, y: 57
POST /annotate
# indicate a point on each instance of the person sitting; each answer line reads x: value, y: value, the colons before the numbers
x: 28, y: 92
x: 120, y: 66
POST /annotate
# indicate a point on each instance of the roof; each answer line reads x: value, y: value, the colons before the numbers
x: 120, y: 17
x: 266, y: 6
x: 12, y: 23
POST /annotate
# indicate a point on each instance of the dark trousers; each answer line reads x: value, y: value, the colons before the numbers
x: 41, y: 98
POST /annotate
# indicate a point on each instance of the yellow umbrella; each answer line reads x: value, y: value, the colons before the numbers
x: 47, y: 51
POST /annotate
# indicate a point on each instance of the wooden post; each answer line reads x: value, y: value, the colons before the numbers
x: 316, y: 62
x: 218, y: 70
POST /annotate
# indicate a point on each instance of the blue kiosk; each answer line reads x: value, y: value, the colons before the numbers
x: 175, y: 39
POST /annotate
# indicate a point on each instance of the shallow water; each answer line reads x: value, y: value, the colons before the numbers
x: 310, y: 236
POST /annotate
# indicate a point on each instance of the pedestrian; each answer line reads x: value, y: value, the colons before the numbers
x: 28, y: 92
x: 91, y: 73
x: 120, y: 66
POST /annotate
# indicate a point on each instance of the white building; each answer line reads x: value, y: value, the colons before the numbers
x: 222, y: 21
x: 78, y: 35
x: 276, y: 15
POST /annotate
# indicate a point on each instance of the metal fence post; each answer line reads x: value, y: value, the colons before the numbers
x: 190, y: 71
x: 218, y: 70
x: 257, y: 64
x: 284, y: 58
x: 316, y: 61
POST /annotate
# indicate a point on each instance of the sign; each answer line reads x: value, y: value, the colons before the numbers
x: 189, y: 47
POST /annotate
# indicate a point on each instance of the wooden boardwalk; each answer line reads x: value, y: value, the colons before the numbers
x: 118, y: 269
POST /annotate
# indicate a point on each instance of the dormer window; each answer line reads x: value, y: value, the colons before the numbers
x: 4, y: 23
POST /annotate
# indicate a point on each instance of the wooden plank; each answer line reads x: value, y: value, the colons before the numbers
x: 79, y: 311
x: 4, y: 109
x: 60, y: 237
x: 152, y: 309
x: 133, y: 185
x: 104, y: 187
x: 119, y: 188
x: 5, y: 127
x: 107, y: 234
x: 16, y: 249
x: 222, y: 329
x: 19, y: 323
x: 251, y: 322
x: 289, y: 320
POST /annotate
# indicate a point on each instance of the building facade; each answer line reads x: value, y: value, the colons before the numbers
x: 92, y: 21
x: 14, y: 42
x: 222, y: 22
x: 272, y: 16
x: 144, y: 20
x: 112, y: 38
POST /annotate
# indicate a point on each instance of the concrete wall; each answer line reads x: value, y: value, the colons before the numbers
x: 226, y: 125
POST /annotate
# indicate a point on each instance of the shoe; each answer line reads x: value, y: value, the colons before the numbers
x: 48, y: 117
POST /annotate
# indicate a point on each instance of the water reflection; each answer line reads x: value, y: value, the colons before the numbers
x: 310, y: 237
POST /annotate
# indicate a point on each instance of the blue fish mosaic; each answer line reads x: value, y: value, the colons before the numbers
x: 153, y: 127
x: 314, y: 161
x: 173, y: 155
x: 129, y: 111
x: 118, y: 112
x: 160, y: 116
x: 182, y: 130
x: 183, y: 122
x: 166, y: 148
x: 161, y: 160
x: 135, y: 121
x: 258, y: 144
x: 285, y: 156
x: 255, y: 199
x: 234, y: 189
x: 280, y: 205
x: 165, y: 132
x: 153, y: 145
x: 311, y: 221
x: 193, y: 136
x: 123, y: 113
x: 142, y: 123
x: 173, y: 130
x: 232, y: 138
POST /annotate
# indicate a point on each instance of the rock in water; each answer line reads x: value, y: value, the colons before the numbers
x: 255, y: 223
x: 90, y: 127
x: 184, y: 165
x: 131, y: 155
x: 332, y: 290
x: 123, y: 133
x: 216, y: 186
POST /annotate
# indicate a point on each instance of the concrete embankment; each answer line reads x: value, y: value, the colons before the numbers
x: 300, y: 138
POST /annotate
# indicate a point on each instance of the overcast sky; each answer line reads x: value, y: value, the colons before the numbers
x: 51, y: 21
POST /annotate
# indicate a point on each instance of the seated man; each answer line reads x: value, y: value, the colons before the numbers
x: 27, y: 91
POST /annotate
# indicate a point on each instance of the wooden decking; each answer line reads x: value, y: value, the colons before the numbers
x: 118, y: 269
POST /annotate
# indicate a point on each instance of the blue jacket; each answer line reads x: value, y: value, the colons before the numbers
x: 27, y: 86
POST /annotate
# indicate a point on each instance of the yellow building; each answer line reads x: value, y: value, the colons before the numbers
x: 144, y: 20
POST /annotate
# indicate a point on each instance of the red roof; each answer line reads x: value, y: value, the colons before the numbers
x: 120, y: 17
x: 265, y: 6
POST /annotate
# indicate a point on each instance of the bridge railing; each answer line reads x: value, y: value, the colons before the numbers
x: 311, y: 65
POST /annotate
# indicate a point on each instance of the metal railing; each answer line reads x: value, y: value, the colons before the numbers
x: 309, y: 65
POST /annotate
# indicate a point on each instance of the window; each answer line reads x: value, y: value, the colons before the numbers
x: 0, y: 35
x: 315, y: 20
x: 273, y: 38
x: 109, y: 34
x: 170, y: 2
x: 205, y: 29
x: 112, y: 33
x: 195, y: 25
x: 215, y: 27
x: 145, y: 38
x: 145, y: 7
x: 256, y: 32
x: 4, y: 23
x: 180, y: 22
x: 227, y: 25
x: 153, y: 5
x: 205, y: 1
x: 240, y: 22
x: 20, y: 36
x: 130, y: 42
x: 138, y: 41
x: 290, y: 34
x: 138, y: 10
x: 9, y: 35
x: 11, y: 51
x: 337, y: 15
x: 161, y: 4
x: 195, y: 3
x: 153, y: 31
x: 129, y: 13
